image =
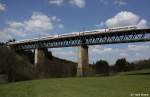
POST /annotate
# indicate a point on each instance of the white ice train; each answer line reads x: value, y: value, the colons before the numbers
x: 73, y: 34
x: 122, y: 28
x: 110, y: 30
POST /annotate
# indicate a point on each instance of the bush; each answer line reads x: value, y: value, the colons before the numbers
x: 102, y: 67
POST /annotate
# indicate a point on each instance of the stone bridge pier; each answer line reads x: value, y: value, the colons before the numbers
x: 39, y: 56
x: 83, y: 61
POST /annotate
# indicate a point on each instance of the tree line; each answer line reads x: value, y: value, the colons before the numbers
x: 121, y: 65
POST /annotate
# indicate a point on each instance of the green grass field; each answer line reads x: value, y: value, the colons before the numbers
x: 112, y: 86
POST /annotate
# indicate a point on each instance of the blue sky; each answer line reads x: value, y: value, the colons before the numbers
x: 23, y: 19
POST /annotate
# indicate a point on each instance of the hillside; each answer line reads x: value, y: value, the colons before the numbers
x: 115, y: 86
x: 20, y: 66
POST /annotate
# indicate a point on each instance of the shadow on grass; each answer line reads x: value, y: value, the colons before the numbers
x: 148, y: 73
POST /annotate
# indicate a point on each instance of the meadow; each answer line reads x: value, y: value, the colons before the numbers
x: 121, y: 85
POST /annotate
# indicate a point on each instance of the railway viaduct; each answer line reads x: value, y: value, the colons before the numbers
x: 82, y: 41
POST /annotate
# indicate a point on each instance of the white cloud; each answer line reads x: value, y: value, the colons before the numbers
x: 129, y: 49
x: 61, y: 26
x: 95, y: 50
x: 69, y: 53
x: 63, y: 53
x: 138, y: 55
x: 100, y: 25
x: 115, y: 2
x: 5, y: 36
x: 78, y: 3
x: 16, y: 24
x: 2, y: 7
x: 125, y: 18
x: 138, y: 47
x: 120, y: 2
x: 142, y: 24
x: 54, y: 18
x: 123, y: 54
x: 37, y: 24
x: 101, y: 50
x: 57, y: 2
x: 108, y: 50
x: 15, y: 29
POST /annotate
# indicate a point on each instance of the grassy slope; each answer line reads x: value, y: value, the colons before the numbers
x: 115, y: 86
